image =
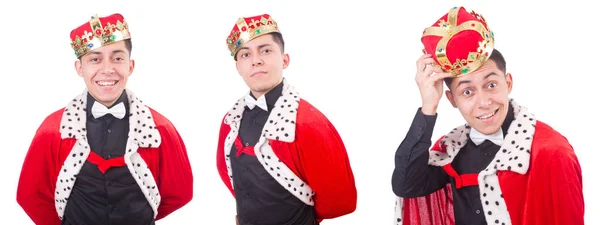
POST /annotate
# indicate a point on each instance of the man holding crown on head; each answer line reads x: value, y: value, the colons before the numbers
x: 503, y: 166
x: 105, y: 158
x: 281, y: 158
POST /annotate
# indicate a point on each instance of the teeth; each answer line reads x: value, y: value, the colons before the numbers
x: 106, y: 83
x: 487, y: 116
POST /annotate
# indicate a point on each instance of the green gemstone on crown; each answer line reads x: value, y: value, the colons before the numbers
x: 465, y: 70
x: 113, y: 37
x: 258, y: 31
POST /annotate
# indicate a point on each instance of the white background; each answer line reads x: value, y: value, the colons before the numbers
x: 354, y: 61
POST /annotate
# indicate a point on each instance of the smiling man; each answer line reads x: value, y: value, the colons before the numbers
x: 281, y: 158
x: 503, y: 166
x: 105, y: 158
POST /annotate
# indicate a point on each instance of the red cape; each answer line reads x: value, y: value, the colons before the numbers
x: 58, y: 150
x: 539, y: 179
x: 304, y: 141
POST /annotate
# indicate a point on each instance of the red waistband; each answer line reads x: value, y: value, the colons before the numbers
x: 462, y: 180
x: 105, y: 164
x: 243, y: 149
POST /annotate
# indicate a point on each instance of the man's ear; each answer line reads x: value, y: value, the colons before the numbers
x: 78, y: 68
x: 131, y: 66
x: 286, y: 60
x: 450, y: 98
x: 509, y: 82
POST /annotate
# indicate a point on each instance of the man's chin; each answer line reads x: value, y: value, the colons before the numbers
x: 486, y: 129
x: 107, y: 98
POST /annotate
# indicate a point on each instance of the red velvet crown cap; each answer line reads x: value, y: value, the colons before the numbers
x: 460, y: 41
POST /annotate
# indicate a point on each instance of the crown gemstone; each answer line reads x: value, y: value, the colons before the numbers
x: 113, y: 37
x: 258, y: 31
x: 90, y: 45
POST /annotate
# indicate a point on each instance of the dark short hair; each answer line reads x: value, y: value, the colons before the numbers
x: 128, y: 46
x: 277, y: 37
x: 496, y: 56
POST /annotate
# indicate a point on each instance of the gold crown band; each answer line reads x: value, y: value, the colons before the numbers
x: 248, y: 31
x: 100, y: 36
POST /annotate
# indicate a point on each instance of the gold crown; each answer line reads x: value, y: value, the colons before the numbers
x: 248, y: 28
x: 460, y: 37
x: 98, y: 32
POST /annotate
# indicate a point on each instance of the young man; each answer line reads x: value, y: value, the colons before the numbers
x: 282, y: 159
x: 503, y: 166
x: 105, y: 158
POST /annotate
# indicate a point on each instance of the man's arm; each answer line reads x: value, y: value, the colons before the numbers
x: 221, y: 164
x: 412, y: 176
x: 326, y: 166
x: 176, y: 178
x: 35, y: 191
